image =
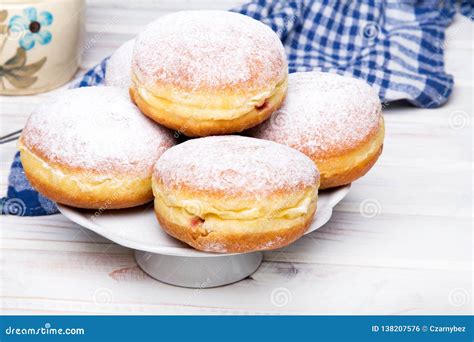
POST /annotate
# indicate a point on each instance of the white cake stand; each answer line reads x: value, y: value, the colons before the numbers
x: 171, y: 261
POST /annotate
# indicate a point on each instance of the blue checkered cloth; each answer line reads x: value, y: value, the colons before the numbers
x: 396, y: 46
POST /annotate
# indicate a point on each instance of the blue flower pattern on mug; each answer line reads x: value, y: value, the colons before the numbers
x: 31, y: 25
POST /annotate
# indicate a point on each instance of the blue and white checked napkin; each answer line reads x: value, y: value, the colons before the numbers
x: 397, y: 46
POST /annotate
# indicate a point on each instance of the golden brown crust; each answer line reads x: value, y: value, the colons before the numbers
x: 342, y: 148
x: 196, y: 127
x: 350, y: 166
x: 352, y: 174
x: 234, y: 241
x: 233, y: 221
x: 82, y: 189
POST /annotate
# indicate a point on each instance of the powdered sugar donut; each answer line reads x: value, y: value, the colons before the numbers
x: 235, y: 194
x: 92, y: 148
x: 208, y: 72
x: 336, y: 121
x: 118, y: 72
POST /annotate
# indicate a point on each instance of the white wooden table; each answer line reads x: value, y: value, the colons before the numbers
x: 400, y: 243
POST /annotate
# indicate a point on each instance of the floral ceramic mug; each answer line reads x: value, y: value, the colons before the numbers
x: 40, y: 44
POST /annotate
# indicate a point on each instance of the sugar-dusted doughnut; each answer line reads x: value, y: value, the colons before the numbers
x: 92, y: 148
x: 208, y: 72
x: 118, y: 71
x: 335, y: 120
x: 234, y: 194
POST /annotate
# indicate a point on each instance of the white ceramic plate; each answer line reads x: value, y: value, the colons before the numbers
x: 138, y: 228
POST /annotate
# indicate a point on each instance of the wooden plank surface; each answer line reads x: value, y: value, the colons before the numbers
x: 400, y: 243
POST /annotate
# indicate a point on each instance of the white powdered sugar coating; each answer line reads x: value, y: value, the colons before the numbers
x: 97, y: 129
x: 119, y: 66
x: 323, y: 113
x: 209, y: 49
x: 235, y: 164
